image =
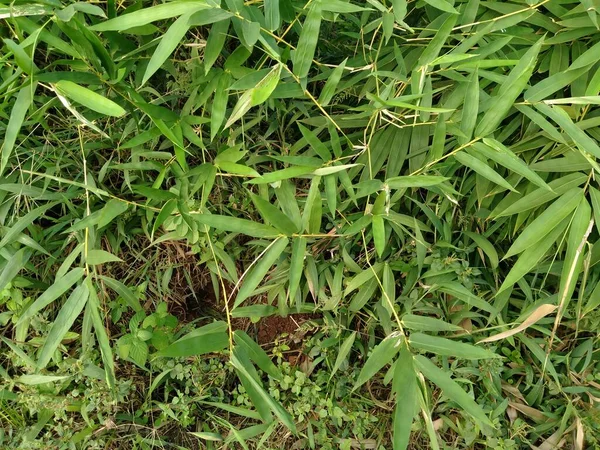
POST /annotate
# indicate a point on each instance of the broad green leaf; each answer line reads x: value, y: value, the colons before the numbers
x: 257, y: 354
x: 63, y: 322
x: 168, y: 43
x: 511, y: 88
x: 362, y: 277
x: 17, y: 116
x: 274, y: 406
x: 595, y: 198
x: 442, y: 5
x: 283, y: 174
x: 219, y: 104
x: 405, y: 388
x: 101, y: 335
x: 235, y: 225
x: 35, y: 379
x: 89, y: 99
x: 13, y: 266
x: 487, y: 247
x: 378, y: 227
x: 497, y: 152
x: 214, y: 44
x: 320, y: 149
x: 381, y: 355
x: 152, y: 14
x: 95, y: 257
x: 307, y: 44
x: 343, y: 353
x: 542, y: 196
x: 260, y: 269
x: 331, y: 84
x: 206, y: 339
x: 274, y: 216
x: 59, y: 287
x: 451, y: 389
x: 414, y: 181
x: 425, y: 323
x: 581, y: 139
x: 579, y: 230
x: 296, y: 265
x: 266, y: 86
x: 130, y: 298
x: 447, y: 347
x: 470, y: 108
x: 272, y: 15
x: 532, y: 256
x: 546, y: 221
x: 482, y: 169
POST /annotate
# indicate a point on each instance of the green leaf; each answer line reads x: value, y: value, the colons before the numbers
x: 414, y: 181
x: 95, y: 257
x: 442, y: 5
x: 101, y: 335
x: 542, y: 196
x: 497, y: 152
x: 17, y: 116
x: 243, y: 371
x: 266, y: 86
x: 13, y: 266
x: 546, y: 221
x: 206, y: 339
x: 63, y: 322
x: 381, y: 355
x: 560, y: 116
x: 35, y: 379
x: 487, y: 247
x: 447, y: 347
x: 532, y: 256
x: 331, y: 84
x: 258, y: 272
x: 152, y: 14
x: 59, y: 287
x: 482, y: 169
x: 307, y: 44
x: 511, y: 88
x: 235, y: 225
x: 89, y: 99
x: 343, y: 353
x: 274, y: 216
x: 580, y: 228
x: 283, y: 174
x: 272, y: 15
x: 296, y: 265
x: 320, y: 149
x: 405, y: 387
x: 168, y: 43
x: 257, y: 354
x: 215, y: 42
x: 378, y: 234
x: 424, y: 323
x: 470, y: 108
x: 219, y: 104
x: 451, y: 389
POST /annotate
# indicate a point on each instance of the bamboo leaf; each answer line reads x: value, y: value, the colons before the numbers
x: 307, y: 44
x: 63, y: 322
x: 508, y: 92
x: 451, y: 389
x: 447, y: 347
x: 256, y: 275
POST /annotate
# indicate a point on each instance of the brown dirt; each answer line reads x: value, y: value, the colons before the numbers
x: 269, y: 328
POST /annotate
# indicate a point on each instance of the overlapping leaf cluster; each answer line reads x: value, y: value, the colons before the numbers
x: 423, y: 174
